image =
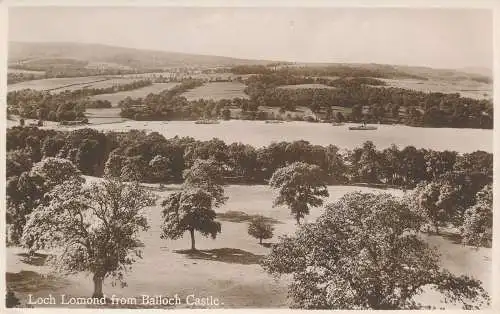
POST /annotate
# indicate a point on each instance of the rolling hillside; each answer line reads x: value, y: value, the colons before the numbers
x: 21, y: 52
x: 77, y: 55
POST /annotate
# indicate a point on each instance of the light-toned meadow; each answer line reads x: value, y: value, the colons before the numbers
x: 466, y: 88
x: 136, y: 93
x: 55, y: 83
x: 227, y: 268
x: 217, y: 91
x: 36, y: 73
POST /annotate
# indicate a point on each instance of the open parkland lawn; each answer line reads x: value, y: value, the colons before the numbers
x: 226, y: 268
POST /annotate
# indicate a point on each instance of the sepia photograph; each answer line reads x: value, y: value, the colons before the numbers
x: 248, y: 157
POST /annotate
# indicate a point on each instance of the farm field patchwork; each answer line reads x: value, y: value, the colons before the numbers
x: 55, y: 83
x: 217, y: 91
x: 108, y: 83
x: 227, y: 267
x: 36, y: 73
x: 136, y: 93
x: 467, y: 88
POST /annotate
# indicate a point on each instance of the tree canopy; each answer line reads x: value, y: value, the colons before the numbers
x: 91, y: 228
x: 364, y: 252
x: 191, y: 209
x: 299, y: 185
x: 477, y: 229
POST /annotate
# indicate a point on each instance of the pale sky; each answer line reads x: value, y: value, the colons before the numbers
x: 442, y: 38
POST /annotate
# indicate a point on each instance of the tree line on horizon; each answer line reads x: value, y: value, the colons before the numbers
x: 431, y: 109
x: 385, y: 104
x: 157, y: 159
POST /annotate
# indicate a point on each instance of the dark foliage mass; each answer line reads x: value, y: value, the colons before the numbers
x: 368, y: 99
x: 341, y: 70
x: 371, y: 103
x: 157, y: 159
x: 365, y: 252
x: 167, y: 105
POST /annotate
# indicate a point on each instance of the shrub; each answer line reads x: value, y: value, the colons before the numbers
x: 260, y: 229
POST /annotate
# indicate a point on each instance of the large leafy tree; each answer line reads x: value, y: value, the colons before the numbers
x: 435, y: 201
x: 189, y: 210
x: 365, y: 163
x: 299, y: 185
x: 26, y: 191
x: 192, y: 208
x: 53, y: 171
x: 438, y: 163
x: 446, y: 199
x: 159, y: 167
x: 477, y: 229
x: 364, y: 252
x: 208, y: 176
x: 91, y: 228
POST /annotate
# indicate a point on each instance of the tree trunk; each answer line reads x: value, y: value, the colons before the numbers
x: 436, y: 228
x: 297, y: 218
x: 98, y: 280
x: 260, y: 241
x: 193, y: 248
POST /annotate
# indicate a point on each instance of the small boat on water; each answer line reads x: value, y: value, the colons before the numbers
x: 363, y: 127
x: 337, y: 123
x: 207, y: 122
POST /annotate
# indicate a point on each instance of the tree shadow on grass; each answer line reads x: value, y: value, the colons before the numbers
x: 30, y: 281
x: 35, y: 259
x: 267, y: 244
x: 239, y: 216
x: 455, y: 238
x: 225, y: 255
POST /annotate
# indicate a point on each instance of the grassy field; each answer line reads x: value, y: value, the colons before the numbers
x: 217, y: 91
x: 466, y: 88
x: 55, y: 83
x: 36, y: 73
x: 226, y: 268
x: 108, y: 83
x: 75, y: 83
x: 136, y: 93
x: 104, y: 115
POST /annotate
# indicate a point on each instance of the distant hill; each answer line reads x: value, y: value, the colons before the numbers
x: 20, y: 52
x: 76, y: 55
x: 478, y: 70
